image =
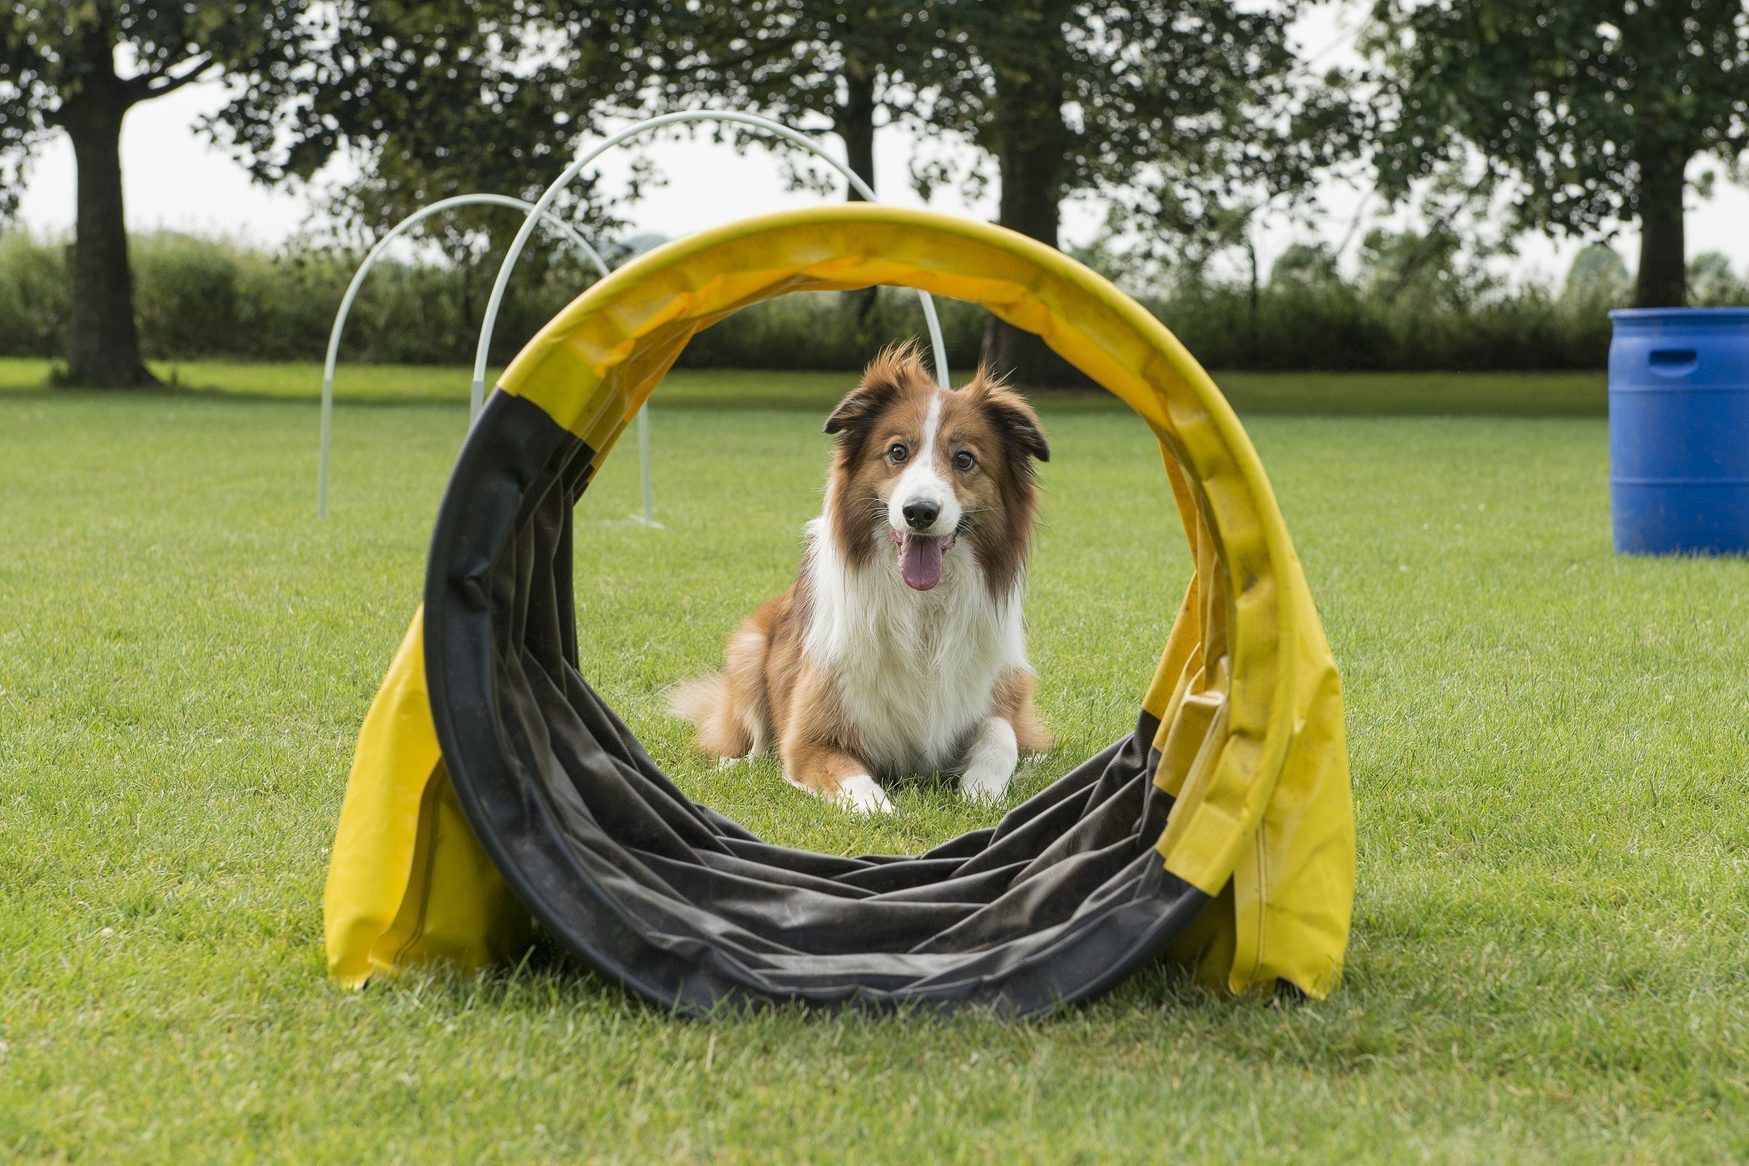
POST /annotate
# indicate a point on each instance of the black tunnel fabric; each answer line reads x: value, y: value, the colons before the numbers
x: 1058, y: 902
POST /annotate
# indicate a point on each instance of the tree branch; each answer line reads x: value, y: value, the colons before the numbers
x: 759, y: 52
x: 149, y: 85
x: 1423, y: 249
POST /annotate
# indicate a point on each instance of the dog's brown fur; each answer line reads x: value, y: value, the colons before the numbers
x: 770, y: 693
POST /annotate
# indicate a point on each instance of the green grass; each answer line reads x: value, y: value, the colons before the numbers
x: 1548, y: 746
x: 1567, y: 394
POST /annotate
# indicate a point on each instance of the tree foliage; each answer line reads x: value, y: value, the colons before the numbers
x: 1177, y: 104
x: 57, y: 59
x: 1177, y: 110
x: 1597, y: 272
x: 1180, y: 110
x: 1712, y: 283
x: 814, y: 64
x: 1596, y: 107
x: 431, y: 98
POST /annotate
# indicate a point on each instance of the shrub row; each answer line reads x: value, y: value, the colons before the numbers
x: 1339, y: 328
x: 213, y: 298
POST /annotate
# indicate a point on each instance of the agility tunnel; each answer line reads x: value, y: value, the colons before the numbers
x: 493, y: 790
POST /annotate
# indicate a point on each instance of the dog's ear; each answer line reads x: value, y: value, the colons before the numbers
x: 1008, y: 411
x: 861, y: 406
x: 885, y: 378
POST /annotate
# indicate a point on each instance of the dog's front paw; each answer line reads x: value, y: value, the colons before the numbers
x: 990, y: 762
x: 986, y: 783
x: 862, y: 794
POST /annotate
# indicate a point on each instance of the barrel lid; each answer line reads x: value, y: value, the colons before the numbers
x: 1716, y: 317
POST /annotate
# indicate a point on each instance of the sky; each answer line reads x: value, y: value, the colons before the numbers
x: 175, y: 179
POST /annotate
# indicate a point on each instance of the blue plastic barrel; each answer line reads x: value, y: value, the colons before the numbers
x: 1679, y: 430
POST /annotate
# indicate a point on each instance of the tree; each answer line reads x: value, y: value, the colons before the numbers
x: 1712, y: 283
x: 79, y: 69
x: 1431, y: 271
x: 1596, y: 107
x: 1305, y: 266
x: 801, y: 61
x: 1598, y: 276
x: 432, y: 98
x: 804, y: 63
x: 1170, y: 107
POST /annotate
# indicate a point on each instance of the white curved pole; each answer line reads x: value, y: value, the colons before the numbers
x: 576, y: 167
x: 370, y: 259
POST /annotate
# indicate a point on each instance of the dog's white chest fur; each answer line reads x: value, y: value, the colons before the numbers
x: 916, y: 671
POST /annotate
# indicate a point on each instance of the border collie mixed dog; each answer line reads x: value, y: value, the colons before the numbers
x: 900, y: 648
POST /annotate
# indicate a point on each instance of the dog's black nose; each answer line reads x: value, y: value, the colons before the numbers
x: 921, y: 515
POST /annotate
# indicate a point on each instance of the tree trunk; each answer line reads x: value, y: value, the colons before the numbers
x: 1031, y: 144
x: 1254, y: 299
x: 1030, y: 161
x: 1662, y: 281
x: 103, y: 343
x: 465, y: 263
x: 856, y: 125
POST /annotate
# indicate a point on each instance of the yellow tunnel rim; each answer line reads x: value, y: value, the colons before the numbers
x: 598, y: 360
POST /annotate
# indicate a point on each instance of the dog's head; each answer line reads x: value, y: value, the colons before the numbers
x: 920, y: 470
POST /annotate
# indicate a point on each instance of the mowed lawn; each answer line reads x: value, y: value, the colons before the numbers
x: 1549, y: 747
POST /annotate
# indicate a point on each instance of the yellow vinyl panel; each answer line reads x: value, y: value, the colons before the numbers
x: 408, y: 883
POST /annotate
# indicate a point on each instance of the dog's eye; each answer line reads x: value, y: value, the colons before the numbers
x: 898, y: 454
x: 964, y: 461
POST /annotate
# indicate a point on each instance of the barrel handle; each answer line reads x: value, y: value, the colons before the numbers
x: 1673, y: 362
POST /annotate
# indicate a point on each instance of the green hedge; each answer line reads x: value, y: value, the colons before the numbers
x: 209, y: 298
x: 1338, y: 328
x: 213, y: 298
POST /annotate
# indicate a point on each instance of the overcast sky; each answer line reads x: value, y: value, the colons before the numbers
x: 174, y: 179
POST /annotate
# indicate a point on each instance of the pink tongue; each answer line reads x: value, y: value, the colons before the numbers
x: 920, y: 561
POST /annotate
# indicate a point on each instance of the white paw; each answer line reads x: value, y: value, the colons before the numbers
x: 861, y: 794
x: 734, y: 762
x: 985, y: 785
x: 990, y: 762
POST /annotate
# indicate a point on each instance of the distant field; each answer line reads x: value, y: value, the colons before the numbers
x: 1408, y: 394
x: 1548, y: 745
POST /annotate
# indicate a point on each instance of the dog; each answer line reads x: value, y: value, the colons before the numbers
x: 900, y: 650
